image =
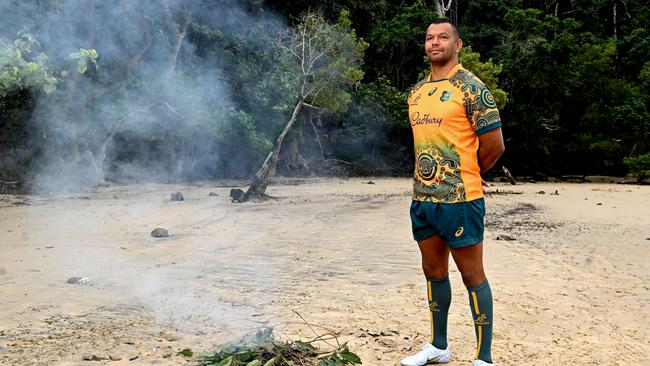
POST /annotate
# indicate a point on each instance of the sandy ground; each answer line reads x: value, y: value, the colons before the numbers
x: 571, y: 289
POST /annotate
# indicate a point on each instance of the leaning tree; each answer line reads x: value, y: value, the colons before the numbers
x: 320, y: 60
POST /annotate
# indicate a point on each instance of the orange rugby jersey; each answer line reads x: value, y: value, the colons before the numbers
x: 446, y: 117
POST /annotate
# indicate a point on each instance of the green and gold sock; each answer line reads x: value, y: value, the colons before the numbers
x: 439, y: 296
x: 480, y: 300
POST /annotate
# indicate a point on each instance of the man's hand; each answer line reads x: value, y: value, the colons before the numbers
x: 485, y: 185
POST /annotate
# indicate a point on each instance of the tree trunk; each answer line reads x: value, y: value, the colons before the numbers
x: 614, y: 22
x: 508, y: 175
x: 441, y: 9
x: 291, y: 162
x: 268, y: 169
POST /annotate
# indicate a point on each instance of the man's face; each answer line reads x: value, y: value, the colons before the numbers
x: 441, y: 43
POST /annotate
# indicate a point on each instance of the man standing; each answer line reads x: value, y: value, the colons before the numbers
x: 457, y: 136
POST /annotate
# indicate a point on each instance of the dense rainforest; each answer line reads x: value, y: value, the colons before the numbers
x: 168, y: 90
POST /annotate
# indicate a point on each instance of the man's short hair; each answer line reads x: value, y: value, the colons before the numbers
x: 447, y: 21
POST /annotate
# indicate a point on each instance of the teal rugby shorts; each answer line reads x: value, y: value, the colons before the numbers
x: 458, y: 224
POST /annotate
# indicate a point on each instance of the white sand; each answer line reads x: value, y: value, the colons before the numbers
x: 572, y: 289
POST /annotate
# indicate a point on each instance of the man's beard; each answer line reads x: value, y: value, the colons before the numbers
x: 439, y: 60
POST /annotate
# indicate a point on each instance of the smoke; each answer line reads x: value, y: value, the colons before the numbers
x: 157, y: 106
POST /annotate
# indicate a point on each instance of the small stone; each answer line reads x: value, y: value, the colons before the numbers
x: 541, y: 192
x: 387, y: 342
x: 114, y: 358
x: 93, y: 358
x: 370, y: 182
x: 237, y: 195
x: 599, y: 204
x: 373, y: 333
x: 78, y: 280
x: 177, y: 196
x: 213, y: 194
x: 505, y: 237
x: 160, y: 233
x: 169, y: 337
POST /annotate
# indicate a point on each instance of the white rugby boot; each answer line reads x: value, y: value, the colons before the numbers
x: 481, y: 363
x: 428, y: 354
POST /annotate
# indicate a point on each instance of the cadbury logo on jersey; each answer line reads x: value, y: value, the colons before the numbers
x: 424, y: 120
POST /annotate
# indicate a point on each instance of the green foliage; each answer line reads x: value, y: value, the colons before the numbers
x: 639, y: 166
x: 186, y: 352
x: 340, y: 358
x: 398, y: 42
x: 84, y: 57
x: 241, y: 130
x: 634, y: 51
x: 261, y: 349
x: 644, y: 80
x: 487, y: 71
x: 324, y: 59
x: 22, y: 68
x: 374, y: 136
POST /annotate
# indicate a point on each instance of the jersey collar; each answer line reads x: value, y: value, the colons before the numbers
x: 449, y: 74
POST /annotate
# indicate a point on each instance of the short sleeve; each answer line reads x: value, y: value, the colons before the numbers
x: 482, y: 110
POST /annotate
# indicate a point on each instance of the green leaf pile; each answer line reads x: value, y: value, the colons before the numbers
x: 261, y: 349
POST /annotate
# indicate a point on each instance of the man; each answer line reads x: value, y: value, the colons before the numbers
x: 457, y: 136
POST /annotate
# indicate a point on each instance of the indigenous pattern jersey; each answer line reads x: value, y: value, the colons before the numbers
x: 447, y: 116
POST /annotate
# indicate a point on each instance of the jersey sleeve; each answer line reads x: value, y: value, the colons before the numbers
x: 482, y: 110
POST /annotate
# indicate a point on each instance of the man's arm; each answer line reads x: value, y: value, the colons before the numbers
x: 490, y: 148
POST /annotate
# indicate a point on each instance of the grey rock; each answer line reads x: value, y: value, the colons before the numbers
x: 94, y: 358
x: 237, y: 195
x: 78, y: 280
x: 177, y: 196
x: 213, y: 194
x: 373, y: 333
x: 160, y: 232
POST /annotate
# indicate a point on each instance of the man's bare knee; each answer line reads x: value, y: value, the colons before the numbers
x: 435, y: 272
x: 473, y: 278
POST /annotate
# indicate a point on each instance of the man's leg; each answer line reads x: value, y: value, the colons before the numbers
x: 435, y: 263
x: 469, y: 261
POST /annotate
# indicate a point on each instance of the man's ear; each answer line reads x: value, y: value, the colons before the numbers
x: 459, y: 45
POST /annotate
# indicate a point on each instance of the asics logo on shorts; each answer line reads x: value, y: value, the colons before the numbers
x: 459, y: 232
